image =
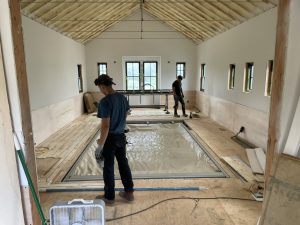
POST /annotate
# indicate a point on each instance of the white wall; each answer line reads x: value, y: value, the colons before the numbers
x: 112, y: 46
x: 11, y: 212
x: 252, y: 41
x: 51, y: 63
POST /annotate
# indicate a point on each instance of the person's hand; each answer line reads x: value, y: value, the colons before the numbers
x: 98, y: 152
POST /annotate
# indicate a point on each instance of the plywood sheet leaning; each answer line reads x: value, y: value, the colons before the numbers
x: 242, y: 169
x: 253, y: 160
x: 283, y: 193
x: 89, y: 102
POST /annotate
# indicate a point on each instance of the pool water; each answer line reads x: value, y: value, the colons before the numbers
x: 154, y: 150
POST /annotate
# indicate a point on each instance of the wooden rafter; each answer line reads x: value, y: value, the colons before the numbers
x: 198, y: 20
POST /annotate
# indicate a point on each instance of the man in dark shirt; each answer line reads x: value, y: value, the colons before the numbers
x: 113, y: 110
x: 178, y: 96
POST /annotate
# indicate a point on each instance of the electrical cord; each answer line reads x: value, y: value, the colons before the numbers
x: 171, y: 199
x: 180, y: 198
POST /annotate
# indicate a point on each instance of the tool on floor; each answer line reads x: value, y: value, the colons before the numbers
x: 242, y: 129
x: 32, y: 189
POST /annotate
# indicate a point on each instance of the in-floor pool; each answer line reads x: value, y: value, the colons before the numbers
x: 155, y: 150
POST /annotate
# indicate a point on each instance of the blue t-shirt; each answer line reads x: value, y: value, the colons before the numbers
x: 114, y: 106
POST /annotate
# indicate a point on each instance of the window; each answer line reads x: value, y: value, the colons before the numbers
x: 102, y: 68
x: 180, y: 69
x: 132, y: 75
x: 231, y: 76
x: 269, y: 75
x: 248, y: 77
x: 150, y: 75
x: 80, y: 86
x: 141, y: 75
x: 202, y: 77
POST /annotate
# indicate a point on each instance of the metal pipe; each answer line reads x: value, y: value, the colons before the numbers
x: 86, y: 189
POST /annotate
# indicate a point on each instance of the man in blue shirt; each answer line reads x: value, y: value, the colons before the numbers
x: 113, y: 110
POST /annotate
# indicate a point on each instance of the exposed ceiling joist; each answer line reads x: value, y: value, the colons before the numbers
x: 198, y: 20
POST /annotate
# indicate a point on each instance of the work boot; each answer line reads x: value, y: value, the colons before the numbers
x: 176, y: 115
x: 107, y: 201
x: 127, y: 195
x: 185, y: 115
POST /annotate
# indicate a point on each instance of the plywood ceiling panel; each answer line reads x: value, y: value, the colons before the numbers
x: 198, y: 20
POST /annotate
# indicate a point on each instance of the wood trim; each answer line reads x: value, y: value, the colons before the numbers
x: 22, y: 84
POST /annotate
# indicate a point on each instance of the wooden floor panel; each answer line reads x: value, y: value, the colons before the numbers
x: 66, y: 145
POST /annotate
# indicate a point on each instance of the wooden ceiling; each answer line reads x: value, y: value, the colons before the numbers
x: 199, y: 20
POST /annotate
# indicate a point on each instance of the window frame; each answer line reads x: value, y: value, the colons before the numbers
x: 248, y: 77
x: 126, y: 76
x: 156, y: 76
x: 79, y: 77
x: 202, y: 76
x: 184, y: 69
x: 269, y: 76
x: 98, y: 67
x: 231, y: 76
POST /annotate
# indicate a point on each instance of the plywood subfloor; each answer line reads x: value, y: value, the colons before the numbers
x: 179, y: 211
x: 206, y: 212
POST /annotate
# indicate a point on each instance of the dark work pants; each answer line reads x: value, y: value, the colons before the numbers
x: 179, y: 99
x: 115, y: 145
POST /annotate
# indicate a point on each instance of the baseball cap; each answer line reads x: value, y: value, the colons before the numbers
x: 104, y: 79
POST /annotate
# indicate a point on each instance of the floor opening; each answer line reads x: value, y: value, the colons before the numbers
x: 155, y: 150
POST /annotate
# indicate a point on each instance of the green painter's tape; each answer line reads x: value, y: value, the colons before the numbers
x: 33, y: 192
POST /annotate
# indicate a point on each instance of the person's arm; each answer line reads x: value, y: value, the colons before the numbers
x: 103, y: 113
x: 174, y: 92
x: 104, y: 130
x: 174, y: 88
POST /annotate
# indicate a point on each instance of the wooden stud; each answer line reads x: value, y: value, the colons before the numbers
x: 276, y: 96
x: 22, y: 83
x: 277, y: 84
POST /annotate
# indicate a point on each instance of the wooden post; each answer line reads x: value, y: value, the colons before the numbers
x: 17, y: 35
x: 273, y: 150
x: 277, y: 85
